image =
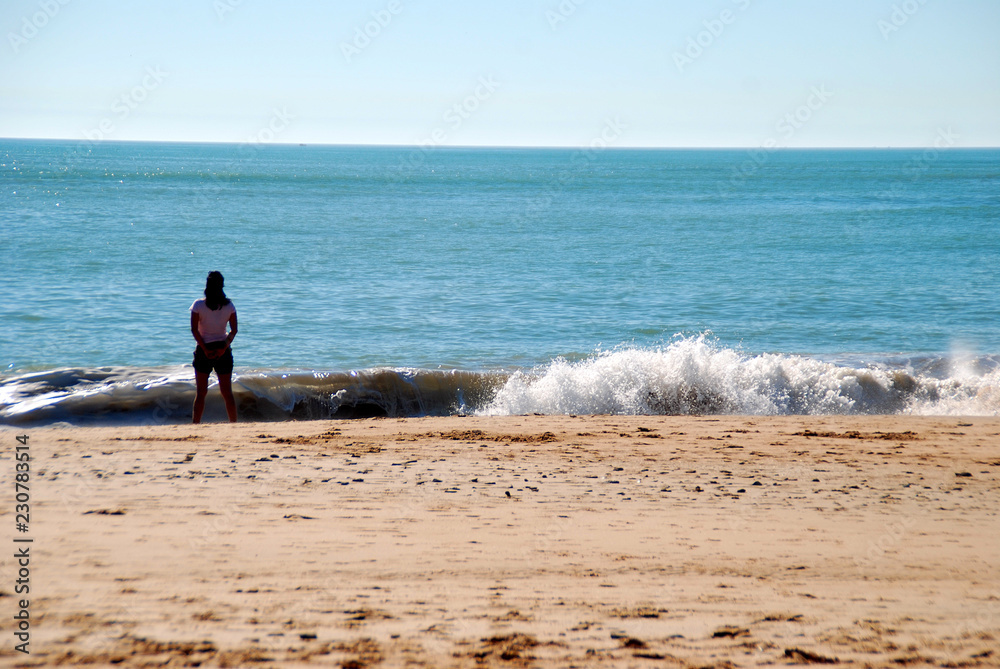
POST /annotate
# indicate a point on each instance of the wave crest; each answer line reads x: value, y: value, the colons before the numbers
x: 694, y: 376
x: 689, y: 376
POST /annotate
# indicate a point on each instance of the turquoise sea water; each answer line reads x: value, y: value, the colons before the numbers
x: 501, y: 280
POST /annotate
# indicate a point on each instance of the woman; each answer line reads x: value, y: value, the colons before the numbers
x: 209, y: 318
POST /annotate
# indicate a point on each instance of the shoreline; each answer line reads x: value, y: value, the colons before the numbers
x: 690, y: 377
x: 513, y: 541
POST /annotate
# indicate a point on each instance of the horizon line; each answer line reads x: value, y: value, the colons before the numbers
x: 423, y: 147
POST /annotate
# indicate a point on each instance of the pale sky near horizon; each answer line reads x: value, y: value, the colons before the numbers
x: 740, y: 73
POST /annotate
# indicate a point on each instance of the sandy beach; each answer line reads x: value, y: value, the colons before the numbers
x: 549, y: 541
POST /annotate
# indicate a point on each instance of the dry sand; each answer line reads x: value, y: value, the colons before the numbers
x: 522, y: 541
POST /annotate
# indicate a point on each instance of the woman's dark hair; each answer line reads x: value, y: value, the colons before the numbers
x: 214, y: 297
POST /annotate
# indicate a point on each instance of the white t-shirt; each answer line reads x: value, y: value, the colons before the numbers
x: 212, y: 324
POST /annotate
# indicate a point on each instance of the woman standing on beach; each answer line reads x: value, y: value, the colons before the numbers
x: 209, y: 318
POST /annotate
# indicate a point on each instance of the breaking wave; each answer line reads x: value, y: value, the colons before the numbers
x: 693, y: 376
x: 111, y: 395
x: 688, y: 376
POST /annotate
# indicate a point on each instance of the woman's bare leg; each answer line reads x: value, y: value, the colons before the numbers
x: 226, y: 388
x: 201, y: 386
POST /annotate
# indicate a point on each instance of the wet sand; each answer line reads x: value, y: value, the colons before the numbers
x: 519, y: 541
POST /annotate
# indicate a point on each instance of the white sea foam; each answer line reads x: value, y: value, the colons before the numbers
x: 693, y: 375
x: 689, y: 376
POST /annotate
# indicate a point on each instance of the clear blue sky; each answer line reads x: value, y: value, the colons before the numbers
x: 522, y: 72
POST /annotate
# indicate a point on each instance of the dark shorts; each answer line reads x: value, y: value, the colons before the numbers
x: 205, y: 365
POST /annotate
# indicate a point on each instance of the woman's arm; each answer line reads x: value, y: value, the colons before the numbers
x: 233, y: 329
x: 194, y: 331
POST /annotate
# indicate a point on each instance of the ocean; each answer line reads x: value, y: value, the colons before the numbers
x: 407, y: 281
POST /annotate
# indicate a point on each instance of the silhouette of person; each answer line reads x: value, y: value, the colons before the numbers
x: 209, y: 319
